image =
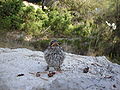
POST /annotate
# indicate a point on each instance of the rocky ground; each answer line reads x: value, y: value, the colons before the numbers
x: 24, y: 69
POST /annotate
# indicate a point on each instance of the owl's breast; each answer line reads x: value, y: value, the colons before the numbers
x: 54, y: 56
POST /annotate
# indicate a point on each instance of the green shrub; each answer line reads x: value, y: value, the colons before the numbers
x: 59, y: 22
x: 9, y: 18
x: 34, y: 21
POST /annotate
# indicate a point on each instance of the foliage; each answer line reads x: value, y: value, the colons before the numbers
x: 59, y: 22
x: 33, y: 20
x: 9, y: 18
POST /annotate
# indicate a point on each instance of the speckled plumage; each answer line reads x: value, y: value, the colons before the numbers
x: 54, y: 57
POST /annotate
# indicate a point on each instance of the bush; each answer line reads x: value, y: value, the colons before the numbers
x: 34, y: 21
x: 9, y: 18
x: 59, y: 22
x: 16, y: 16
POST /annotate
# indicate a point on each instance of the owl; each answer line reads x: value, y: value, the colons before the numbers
x: 54, y: 55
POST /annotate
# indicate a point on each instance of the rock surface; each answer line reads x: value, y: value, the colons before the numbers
x: 18, y: 68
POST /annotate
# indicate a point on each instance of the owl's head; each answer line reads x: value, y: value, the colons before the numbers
x: 54, y: 43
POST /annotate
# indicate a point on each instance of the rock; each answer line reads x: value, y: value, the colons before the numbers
x: 85, y: 70
x: 78, y: 72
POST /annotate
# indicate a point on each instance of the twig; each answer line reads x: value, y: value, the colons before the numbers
x: 39, y: 76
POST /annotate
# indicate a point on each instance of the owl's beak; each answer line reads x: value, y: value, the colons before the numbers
x: 55, y: 44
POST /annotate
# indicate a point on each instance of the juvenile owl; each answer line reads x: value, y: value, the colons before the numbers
x: 54, y: 55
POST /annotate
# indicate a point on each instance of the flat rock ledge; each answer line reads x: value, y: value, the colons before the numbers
x: 18, y: 68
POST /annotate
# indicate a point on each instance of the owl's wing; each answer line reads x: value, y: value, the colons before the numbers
x: 46, y: 53
x: 62, y: 53
x: 47, y: 56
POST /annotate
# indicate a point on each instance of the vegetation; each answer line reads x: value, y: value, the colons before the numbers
x: 88, y: 27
